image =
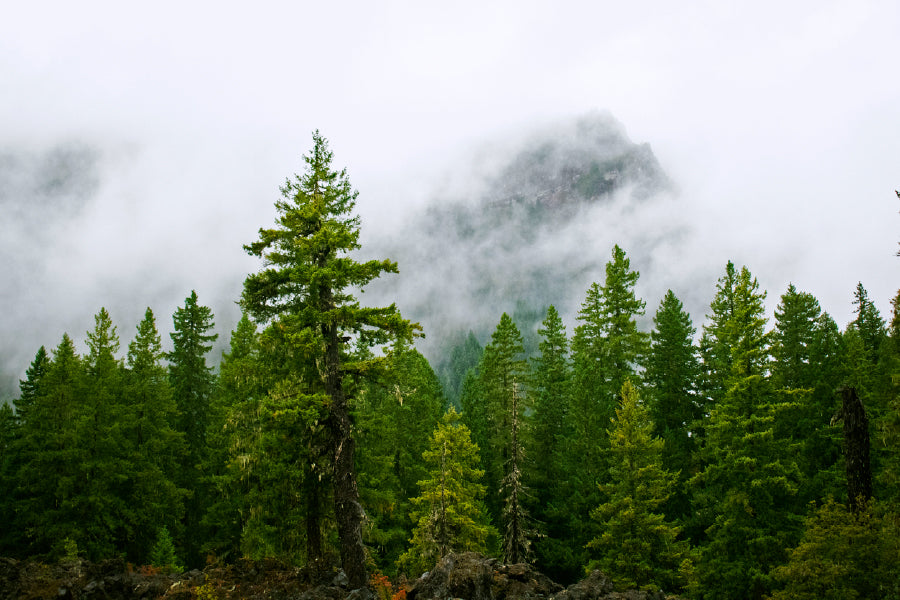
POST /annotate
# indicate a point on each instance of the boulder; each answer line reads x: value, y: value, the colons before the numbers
x: 468, y: 575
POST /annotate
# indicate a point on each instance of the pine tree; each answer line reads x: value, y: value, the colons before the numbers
x: 842, y: 556
x: 192, y: 383
x: 746, y: 493
x: 49, y: 471
x: 396, y: 414
x: 503, y: 375
x: 550, y: 390
x: 234, y: 431
x: 671, y: 379
x: 637, y: 547
x: 29, y: 387
x: 163, y: 553
x: 626, y: 344
x: 807, y: 359
x: 607, y: 350
x: 305, y: 289
x: 449, y: 514
x: 10, y: 538
x: 101, y: 494
x: 157, y: 447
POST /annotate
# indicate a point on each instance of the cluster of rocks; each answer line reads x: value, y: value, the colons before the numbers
x: 472, y: 576
x: 466, y: 576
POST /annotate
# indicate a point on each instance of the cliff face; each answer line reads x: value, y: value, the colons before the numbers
x: 527, y: 223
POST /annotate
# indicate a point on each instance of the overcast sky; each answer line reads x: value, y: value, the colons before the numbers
x: 779, y: 122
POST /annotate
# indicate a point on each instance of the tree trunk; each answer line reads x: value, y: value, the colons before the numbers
x: 856, y: 448
x: 347, y: 510
x: 314, y: 552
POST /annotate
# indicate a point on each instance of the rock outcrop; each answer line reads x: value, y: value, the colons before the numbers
x: 467, y: 576
x: 472, y: 576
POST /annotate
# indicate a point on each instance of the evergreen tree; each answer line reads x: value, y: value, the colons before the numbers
x: 103, y: 471
x: 192, y: 383
x: 626, y: 345
x: 607, y: 349
x: 550, y: 389
x: 305, y: 289
x: 503, y: 375
x: 10, y: 538
x: 396, y: 414
x: 868, y: 323
x: 747, y: 490
x: 49, y: 470
x: 29, y: 387
x: 807, y: 359
x: 234, y: 433
x: 671, y: 379
x: 889, y: 430
x: 843, y: 555
x: 464, y: 355
x: 157, y: 447
x: 449, y: 515
x: 637, y: 547
x: 163, y: 553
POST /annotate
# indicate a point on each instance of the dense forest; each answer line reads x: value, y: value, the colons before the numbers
x: 739, y: 459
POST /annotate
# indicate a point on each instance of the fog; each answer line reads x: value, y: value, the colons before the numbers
x: 776, y: 124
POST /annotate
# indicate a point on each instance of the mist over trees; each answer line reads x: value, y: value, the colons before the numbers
x: 713, y: 466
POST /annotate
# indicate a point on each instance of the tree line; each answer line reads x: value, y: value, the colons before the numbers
x: 714, y: 466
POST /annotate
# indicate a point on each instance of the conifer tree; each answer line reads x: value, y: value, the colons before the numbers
x: 842, y: 555
x: 671, y: 379
x: 503, y: 375
x: 157, y: 447
x: 807, y: 361
x: 396, y: 414
x: 607, y: 349
x: 234, y: 433
x: 449, y: 514
x: 746, y: 494
x: 103, y: 447
x: 49, y: 470
x: 305, y: 288
x: 191, y: 378
x: 550, y: 390
x: 192, y: 383
x: 163, y: 553
x: 637, y: 546
x: 10, y: 538
x: 626, y: 344
x: 28, y: 387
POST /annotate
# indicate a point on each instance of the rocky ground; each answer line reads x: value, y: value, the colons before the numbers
x: 467, y: 576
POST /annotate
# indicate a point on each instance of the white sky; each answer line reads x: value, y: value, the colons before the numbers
x: 778, y: 121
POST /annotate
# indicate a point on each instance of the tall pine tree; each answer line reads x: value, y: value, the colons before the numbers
x: 192, y: 383
x: 306, y: 288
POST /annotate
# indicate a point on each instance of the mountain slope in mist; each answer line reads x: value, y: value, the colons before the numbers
x: 528, y: 226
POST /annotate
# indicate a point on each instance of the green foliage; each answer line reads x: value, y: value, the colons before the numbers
x: 636, y: 546
x: 734, y: 342
x: 551, y: 399
x: 305, y: 294
x: 449, y: 514
x: 47, y: 473
x: 192, y: 384
x: 671, y: 380
x: 157, y: 449
x: 502, y: 385
x: 843, y: 556
x: 396, y: 414
x: 808, y: 360
x: 69, y: 550
x: 163, y: 555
